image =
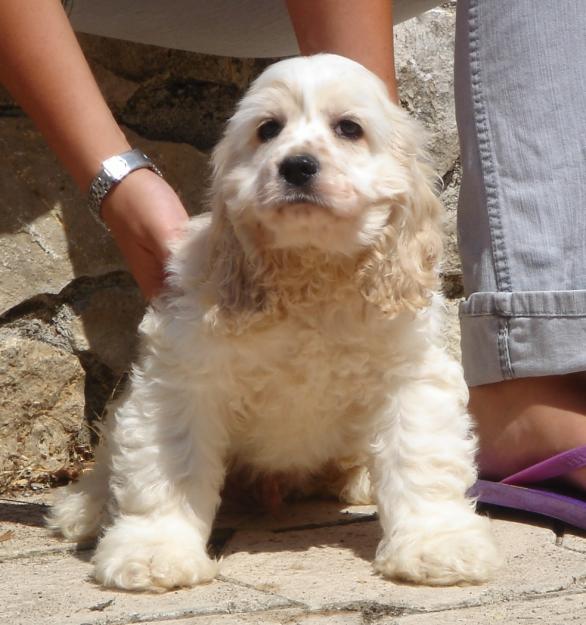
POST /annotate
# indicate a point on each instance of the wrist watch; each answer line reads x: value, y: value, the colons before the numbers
x: 112, y: 172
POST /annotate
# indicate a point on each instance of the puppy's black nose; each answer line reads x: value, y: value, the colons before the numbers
x: 299, y: 170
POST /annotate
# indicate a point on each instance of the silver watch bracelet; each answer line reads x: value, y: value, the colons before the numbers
x: 113, y: 171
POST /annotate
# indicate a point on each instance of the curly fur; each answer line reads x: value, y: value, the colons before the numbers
x: 297, y: 338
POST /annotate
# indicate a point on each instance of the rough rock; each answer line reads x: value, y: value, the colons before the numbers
x: 452, y: 266
x: 181, y: 110
x: 103, y: 321
x: 41, y: 409
x: 140, y: 62
x: 424, y: 51
x: 169, y: 94
x: 91, y: 327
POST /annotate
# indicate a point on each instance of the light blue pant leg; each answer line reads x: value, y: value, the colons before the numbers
x: 521, y: 107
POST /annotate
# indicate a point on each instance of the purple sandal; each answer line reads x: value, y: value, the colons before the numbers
x: 513, y: 492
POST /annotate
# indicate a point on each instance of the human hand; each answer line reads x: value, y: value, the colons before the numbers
x: 144, y: 215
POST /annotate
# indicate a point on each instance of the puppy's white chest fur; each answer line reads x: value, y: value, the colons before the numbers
x: 304, y: 390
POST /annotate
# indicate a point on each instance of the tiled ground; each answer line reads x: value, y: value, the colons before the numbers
x: 308, y: 566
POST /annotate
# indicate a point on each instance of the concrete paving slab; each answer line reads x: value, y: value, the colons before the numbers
x: 308, y: 565
x: 332, y: 567
x: 565, y: 610
x: 23, y: 528
x: 23, y: 531
x: 55, y: 589
x: 298, y: 514
x: 280, y: 617
x: 575, y: 540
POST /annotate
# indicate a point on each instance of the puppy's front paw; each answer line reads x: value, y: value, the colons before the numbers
x: 140, y: 554
x: 441, y: 557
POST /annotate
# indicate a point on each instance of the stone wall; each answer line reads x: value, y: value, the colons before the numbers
x: 68, y: 308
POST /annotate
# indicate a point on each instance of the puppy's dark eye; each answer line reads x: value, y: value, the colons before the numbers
x: 348, y: 129
x: 269, y: 130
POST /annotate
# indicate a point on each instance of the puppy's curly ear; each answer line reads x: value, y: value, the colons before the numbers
x: 401, y: 271
x: 231, y: 273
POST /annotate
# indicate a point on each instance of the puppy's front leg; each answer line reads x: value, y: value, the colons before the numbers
x: 167, y: 470
x: 422, y: 466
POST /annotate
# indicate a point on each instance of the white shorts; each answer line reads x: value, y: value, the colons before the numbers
x: 240, y: 28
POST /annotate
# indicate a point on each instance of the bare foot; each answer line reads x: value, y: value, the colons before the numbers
x: 526, y: 420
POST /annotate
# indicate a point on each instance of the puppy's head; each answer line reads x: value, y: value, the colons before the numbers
x: 317, y: 156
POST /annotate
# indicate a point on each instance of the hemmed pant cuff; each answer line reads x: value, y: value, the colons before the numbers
x: 522, y: 334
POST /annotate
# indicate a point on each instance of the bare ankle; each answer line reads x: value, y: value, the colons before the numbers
x: 523, y: 421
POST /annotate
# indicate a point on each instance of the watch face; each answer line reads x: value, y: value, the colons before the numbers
x: 116, y: 167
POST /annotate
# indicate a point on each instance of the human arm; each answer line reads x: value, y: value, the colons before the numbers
x: 43, y: 67
x: 358, y: 29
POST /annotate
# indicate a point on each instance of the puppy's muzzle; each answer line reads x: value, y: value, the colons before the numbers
x: 299, y: 170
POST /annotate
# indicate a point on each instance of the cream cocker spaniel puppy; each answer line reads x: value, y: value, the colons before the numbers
x: 301, y: 329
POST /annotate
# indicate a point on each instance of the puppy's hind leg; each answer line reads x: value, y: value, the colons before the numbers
x: 81, y: 509
x: 357, y: 489
x: 422, y: 465
x: 167, y: 471
x: 349, y: 481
